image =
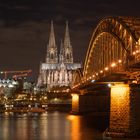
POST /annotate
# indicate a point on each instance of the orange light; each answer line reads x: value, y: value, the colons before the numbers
x: 75, y: 97
x: 71, y: 117
x: 101, y: 71
x: 120, y: 61
x: 113, y: 65
x: 106, y: 68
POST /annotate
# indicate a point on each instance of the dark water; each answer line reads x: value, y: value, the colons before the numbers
x: 50, y: 126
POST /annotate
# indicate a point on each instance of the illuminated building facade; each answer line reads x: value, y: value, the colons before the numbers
x: 58, y: 70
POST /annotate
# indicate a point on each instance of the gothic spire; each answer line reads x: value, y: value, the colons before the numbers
x: 52, y: 37
x: 51, y: 48
x: 61, y: 55
x: 67, y: 37
x: 68, y: 54
x: 61, y: 47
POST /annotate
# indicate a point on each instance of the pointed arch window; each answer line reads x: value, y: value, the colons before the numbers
x: 51, y: 56
x: 67, y: 56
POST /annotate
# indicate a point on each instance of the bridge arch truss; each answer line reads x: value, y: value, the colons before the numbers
x: 114, y: 46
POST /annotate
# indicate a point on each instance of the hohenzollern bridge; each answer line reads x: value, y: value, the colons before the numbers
x: 114, y: 49
x: 111, y: 76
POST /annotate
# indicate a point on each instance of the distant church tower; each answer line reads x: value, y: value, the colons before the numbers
x: 68, y: 53
x: 52, y: 48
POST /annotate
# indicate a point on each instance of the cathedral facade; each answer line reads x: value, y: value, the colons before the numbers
x: 58, y: 68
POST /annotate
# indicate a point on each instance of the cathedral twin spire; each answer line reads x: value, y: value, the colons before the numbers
x: 66, y: 54
x: 52, y: 48
x: 52, y: 37
x: 67, y: 36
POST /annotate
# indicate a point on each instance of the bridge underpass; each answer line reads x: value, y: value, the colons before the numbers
x: 113, y: 56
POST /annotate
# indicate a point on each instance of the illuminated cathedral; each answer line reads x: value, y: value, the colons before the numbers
x: 58, y: 70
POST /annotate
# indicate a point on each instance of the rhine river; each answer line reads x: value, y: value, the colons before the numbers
x: 50, y: 126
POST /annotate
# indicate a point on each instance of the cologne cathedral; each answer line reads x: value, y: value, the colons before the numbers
x: 58, y: 68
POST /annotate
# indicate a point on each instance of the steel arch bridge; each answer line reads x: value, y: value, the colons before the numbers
x: 114, y: 48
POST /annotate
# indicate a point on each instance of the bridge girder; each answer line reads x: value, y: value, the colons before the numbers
x: 115, y: 40
x: 77, y: 77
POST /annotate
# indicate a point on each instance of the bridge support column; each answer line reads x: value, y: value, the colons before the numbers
x: 90, y: 103
x: 75, y: 103
x: 124, y: 111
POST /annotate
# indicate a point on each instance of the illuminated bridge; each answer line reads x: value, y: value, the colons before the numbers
x: 113, y: 56
x: 114, y: 49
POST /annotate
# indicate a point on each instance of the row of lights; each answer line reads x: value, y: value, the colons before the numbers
x: 93, y: 77
x: 58, y: 91
x: 10, y: 84
x: 136, y: 52
x: 105, y: 69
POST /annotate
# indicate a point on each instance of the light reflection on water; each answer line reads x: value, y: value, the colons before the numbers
x: 47, y: 126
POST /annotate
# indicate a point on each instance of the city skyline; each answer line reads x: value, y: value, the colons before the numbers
x: 25, y: 28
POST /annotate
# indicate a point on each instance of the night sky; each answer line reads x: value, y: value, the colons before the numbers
x: 25, y: 27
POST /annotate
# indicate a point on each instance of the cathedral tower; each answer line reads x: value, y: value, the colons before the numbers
x: 61, y: 55
x: 58, y: 70
x: 52, y: 48
x: 68, y: 53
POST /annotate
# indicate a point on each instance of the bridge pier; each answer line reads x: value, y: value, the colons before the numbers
x: 124, y: 111
x: 90, y: 103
